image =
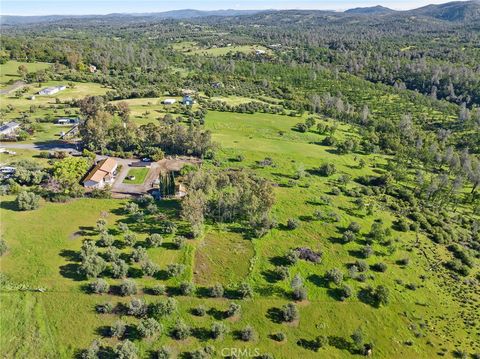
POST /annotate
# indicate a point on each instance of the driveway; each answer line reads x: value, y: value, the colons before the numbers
x: 41, y: 146
x: 15, y: 86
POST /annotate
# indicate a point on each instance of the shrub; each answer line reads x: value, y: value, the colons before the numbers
x: 247, y: 334
x: 105, y: 308
x: 137, y: 308
x: 366, y: 251
x: 403, y: 261
x: 290, y: 312
x: 348, y: 236
x: 112, y: 254
x: 163, y: 353
x: 119, y: 269
x: 187, y: 288
x: 362, y: 266
x: 155, y: 240
x: 130, y: 239
x: 181, y: 330
x: 279, y: 337
x: 117, y: 330
x: 327, y: 169
x: 245, y: 291
x: 158, y: 289
x: 345, y: 292
x: 321, y: 341
x: 92, y: 351
x: 149, y: 268
x: 282, y: 272
x: 299, y: 293
x: 126, y: 350
x: 149, y: 327
x: 216, y: 291
x: 308, y: 254
x: 99, y: 286
x: 92, y: 266
x: 106, y: 239
x: 139, y: 254
x: 334, y: 275
x: 163, y: 308
x: 234, y: 309
x: 292, y: 257
x: 175, y: 269
x: 179, y: 242
x: 128, y: 287
x: 292, y: 223
x: 199, y: 311
x: 354, y: 227
x: 379, y: 267
x: 219, y: 330
x: 27, y: 201
x: 381, y: 295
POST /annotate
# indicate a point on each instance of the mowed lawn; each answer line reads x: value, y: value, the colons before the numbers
x: 138, y: 174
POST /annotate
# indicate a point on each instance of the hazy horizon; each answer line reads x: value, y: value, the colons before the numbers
x: 90, y: 7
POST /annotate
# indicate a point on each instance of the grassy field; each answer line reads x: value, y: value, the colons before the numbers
x: 8, y: 71
x: 43, y: 253
x: 191, y: 48
x: 139, y: 173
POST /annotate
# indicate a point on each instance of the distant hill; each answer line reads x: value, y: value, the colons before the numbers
x: 174, y: 14
x: 452, y: 11
x: 370, y: 10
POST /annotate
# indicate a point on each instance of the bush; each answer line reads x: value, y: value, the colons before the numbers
x: 334, y: 275
x: 279, y: 337
x: 379, y: 267
x: 362, y: 266
x: 105, y: 308
x: 366, y: 251
x: 119, y: 269
x: 179, y: 242
x: 234, y: 309
x: 348, y: 236
x: 354, y: 227
x: 92, y: 266
x: 139, y: 254
x: 27, y: 201
x: 117, y: 330
x: 149, y: 268
x: 155, y: 240
x: 163, y: 308
x: 216, y: 291
x: 321, y: 341
x: 158, y: 289
x: 199, y: 311
x: 130, y: 239
x: 292, y: 257
x: 128, y: 287
x: 92, y: 351
x: 403, y: 261
x: 149, y: 328
x: 99, y: 286
x: 163, y: 353
x: 327, y: 169
x: 345, y: 292
x: 137, y: 308
x: 181, y: 330
x: 299, y: 293
x: 106, y: 239
x: 219, y: 330
x: 245, y: 291
x: 247, y: 334
x: 175, y: 269
x: 308, y: 254
x: 292, y: 223
x: 126, y: 350
x: 290, y: 312
x: 187, y: 288
x: 282, y: 272
x: 381, y: 295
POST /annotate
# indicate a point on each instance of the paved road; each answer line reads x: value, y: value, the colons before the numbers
x: 41, y: 146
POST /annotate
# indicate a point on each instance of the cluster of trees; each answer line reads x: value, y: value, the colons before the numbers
x: 228, y: 196
x: 102, y: 134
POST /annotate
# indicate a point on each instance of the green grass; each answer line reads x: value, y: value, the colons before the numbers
x: 8, y: 71
x: 139, y: 173
x: 191, y: 48
x: 62, y: 320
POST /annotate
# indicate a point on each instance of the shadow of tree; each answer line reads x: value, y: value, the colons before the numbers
x: 275, y: 315
x: 202, y: 334
x: 72, y: 271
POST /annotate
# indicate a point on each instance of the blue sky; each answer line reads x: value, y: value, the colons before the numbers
x: 70, y: 7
